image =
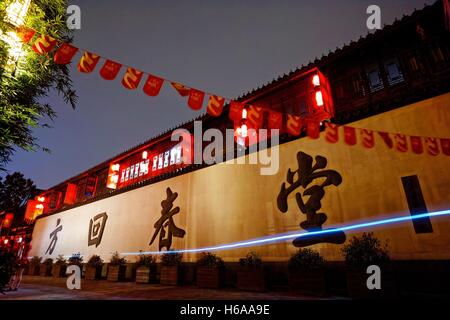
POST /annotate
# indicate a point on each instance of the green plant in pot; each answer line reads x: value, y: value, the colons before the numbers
x: 360, y: 253
x: 210, y: 271
x: 117, y: 268
x: 94, y: 268
x: 145, y: 268
x: 251, y: 275
x: 76, y: 259
x: 46, y: 268
x: 59, y: 267
x: 306, y: 269
x: 171, y: 272
x: 35, y: 266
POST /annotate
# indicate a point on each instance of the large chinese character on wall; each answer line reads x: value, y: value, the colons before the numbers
x: 310, y: 182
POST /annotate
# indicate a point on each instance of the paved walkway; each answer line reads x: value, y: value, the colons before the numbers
x: 46, y: 288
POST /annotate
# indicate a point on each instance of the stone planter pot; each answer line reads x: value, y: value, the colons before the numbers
x: 170, y: 275
x: 308, y: 282
x: 145, y: 275
x: 251, y: 279
x: 116, y: 273
x: 45, y: 270
x: 34, y: 269
x: 357, y: 285
x: 59, y: 270
x: 93, y: 272
x: 210, y: 277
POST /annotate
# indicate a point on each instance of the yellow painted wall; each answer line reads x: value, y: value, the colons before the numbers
x: 228, y: 203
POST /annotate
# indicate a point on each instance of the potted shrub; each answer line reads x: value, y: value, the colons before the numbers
x: 46, y: 268
x: 306, y: 270
x: 116, y: 268
x: 361, y: 253
x: 94, y: 268
x: 76, y: 259
x: 250, y: 275
x: 146, y: 268
x: 170, y: 268
x: 210, y: 271
x: 59, y: 267
x: 35, y: 265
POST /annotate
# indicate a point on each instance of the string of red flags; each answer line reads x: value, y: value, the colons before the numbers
x: 255, y: 117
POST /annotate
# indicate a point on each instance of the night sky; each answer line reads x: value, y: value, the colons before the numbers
x: 226, y: 47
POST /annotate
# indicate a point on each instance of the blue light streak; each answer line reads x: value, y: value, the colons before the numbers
x: 288, y: 236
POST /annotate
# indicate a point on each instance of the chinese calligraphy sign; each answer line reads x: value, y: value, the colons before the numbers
x: 310, y: 181
x: 54, y: 237
x: 96, y: 229
x: 165, y: 226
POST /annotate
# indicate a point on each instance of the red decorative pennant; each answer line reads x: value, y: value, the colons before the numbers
x: 368, y: 138
x: 416, y: 144
x: 65, y: 54
x: 236, y: 111
x: 44, y: 44
x: 215, y: 105
x: 132, y: 78
x: 255, y: 117
x: 331, y: 132
x: 313, y: 129
x: 386, y: 138
x: 196, y: 98
x: 445, y: 146
x: 153, y: 85
x: 432, y: 146
x: 294, y: 125
x: 275, y: 120
x: 350, y: 135
x: 88, y: 62
x: 182, y: 90
x: 401, y: 143
x: 25, y: 34
x: 110, y: 70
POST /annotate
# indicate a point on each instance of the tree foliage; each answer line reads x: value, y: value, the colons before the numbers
x: 15, y: 190
x: 22, y: 90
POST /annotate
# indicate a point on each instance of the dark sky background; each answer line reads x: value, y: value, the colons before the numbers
x: 227, y: 47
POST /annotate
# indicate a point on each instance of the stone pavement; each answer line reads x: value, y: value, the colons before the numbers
x: 47, y: 288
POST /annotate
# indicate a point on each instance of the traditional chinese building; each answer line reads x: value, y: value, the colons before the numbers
x: 389, y: 94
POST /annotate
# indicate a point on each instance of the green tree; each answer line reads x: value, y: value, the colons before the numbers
x: 15, y: 190
x: 22, y: 90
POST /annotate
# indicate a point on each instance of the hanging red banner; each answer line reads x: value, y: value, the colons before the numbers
x: 313, y: 129
x: 386, y: 138
x: 153, y: 85
x: 350, y: 135
x: 7, y: 221
x: 65, y: 54
x: 196, y: 98
x: 275, y: 120
x: 294, y: 125
x: 44, y: 44
x: 445, y: 146
x: 25, y: 34
x: 401, y: 143
x: 132, y: 78
x: 182, y: 90
x: 432, y: 146
x: 331, y: 132
x: 367, y: 138
x: 110, y: 70
x: 255, y: 117
x: 215, y: 105
x: 416, y: 144
x: 236, y: 111
x: 88, y: 62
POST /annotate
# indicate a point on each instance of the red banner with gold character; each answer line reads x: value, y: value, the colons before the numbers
x: 401, y: 143
x: 153, y: 85
x: 132, y: 78
x: 236, y: 111
x: 196, y: 98
x: 432, y: 146
x: 367, y: 138
x: 294, y: 125
x: 215, y: 105
x: 65, y: 54
x: 110, y: 70
x: 44, y: 44
x: 331, y: 132
x: 255, y: 117
x: 88, y: 62
x: 445, y: 146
